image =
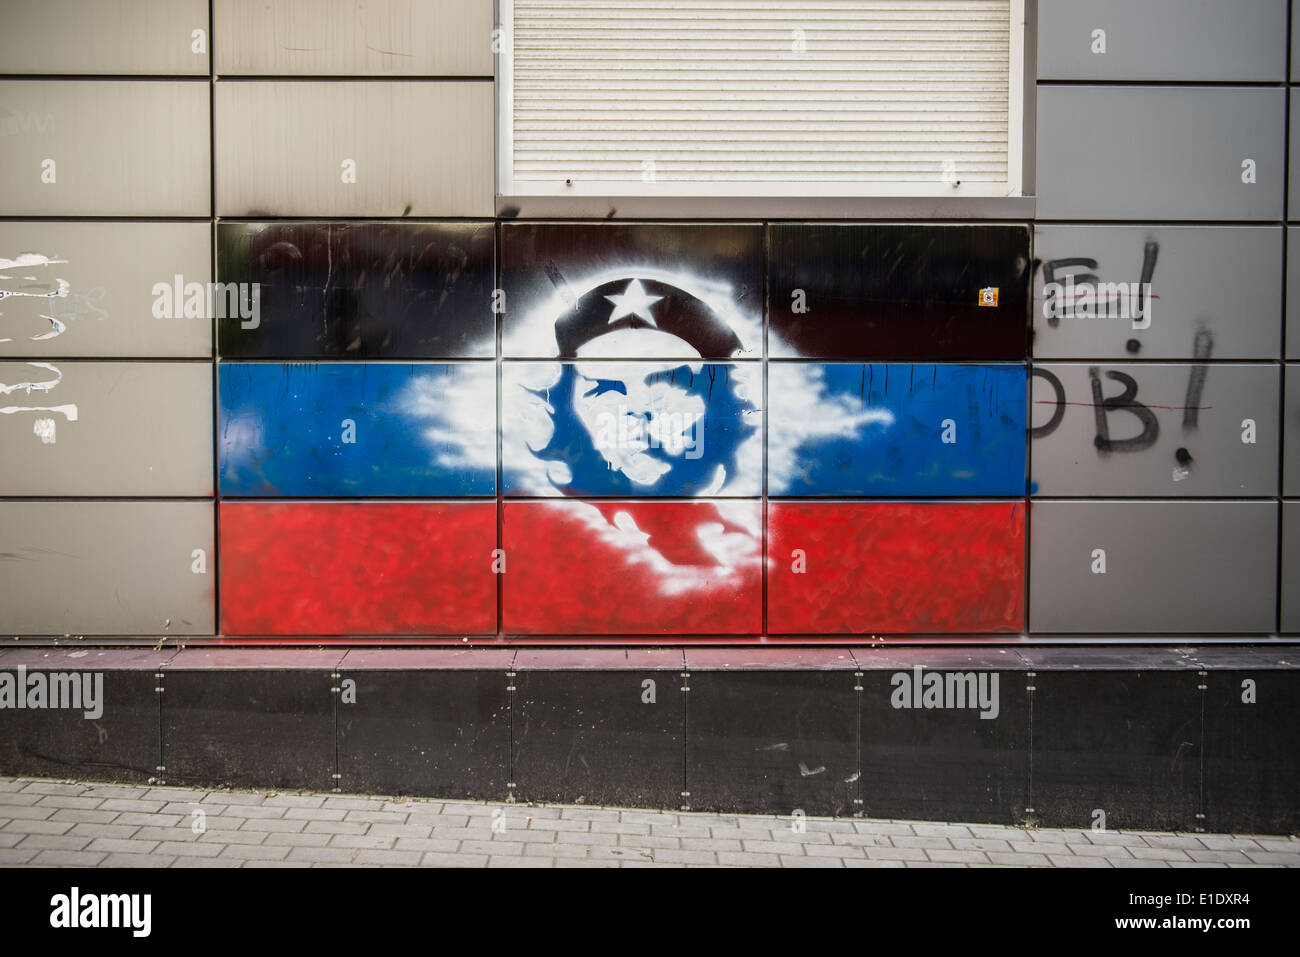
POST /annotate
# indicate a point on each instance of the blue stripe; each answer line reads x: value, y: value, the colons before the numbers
x: 422, y: 429
x: 879, y: 430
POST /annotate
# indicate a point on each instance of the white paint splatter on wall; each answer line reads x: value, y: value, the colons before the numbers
x: 68, y: 411
x: 62, y: 302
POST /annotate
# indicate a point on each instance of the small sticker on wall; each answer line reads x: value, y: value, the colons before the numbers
x: 989, y: 296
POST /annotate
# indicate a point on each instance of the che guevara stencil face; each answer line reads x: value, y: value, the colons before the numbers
x: 643, y: 418
x: 633, y: 406
x: 641, y: 422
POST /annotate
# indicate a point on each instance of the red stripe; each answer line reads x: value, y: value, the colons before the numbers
x: 884, y: 568
x: 625, y: 568
x: 366, y: 568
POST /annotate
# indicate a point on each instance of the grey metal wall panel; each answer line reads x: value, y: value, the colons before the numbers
x: 104, y: 36
x: 418, y: 148
x: 1134, y: 152
x: 1203, y: 567
x: 106, y: 428
x: 1293, y: 178
x: 106, y: 568
x: 1295, y: 47
x: 1291, y: 432
x: 107, y: 306
x: 1293, y: 299
x: 349, y: 38
x: 1290, y: 567
x: 1219, y: 40
x: 117, y: 148
x: 1152, y: 433
x: 1227, y: 279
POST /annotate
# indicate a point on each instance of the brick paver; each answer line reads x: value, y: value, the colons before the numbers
x: 70, y: 824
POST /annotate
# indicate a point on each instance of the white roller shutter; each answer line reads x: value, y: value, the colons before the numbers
x: 761, y: 97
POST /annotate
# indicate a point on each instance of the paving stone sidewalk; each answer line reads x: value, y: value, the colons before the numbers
x: 64, y: 824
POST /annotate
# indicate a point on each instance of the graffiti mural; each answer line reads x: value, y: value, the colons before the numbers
x: 639, y: 428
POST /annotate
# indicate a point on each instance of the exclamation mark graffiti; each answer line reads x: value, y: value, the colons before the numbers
x: 1203, y: 346
x: 1142, y: 315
